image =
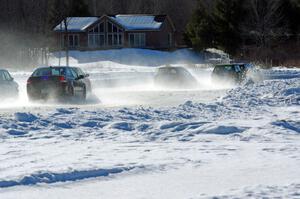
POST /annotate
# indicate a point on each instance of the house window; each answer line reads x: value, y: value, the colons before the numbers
x: 96, y: 40
x: 96, y: 36
x: 115, y: 35
x: 109, y: 27
x: 137, y: 39
x: 73, y: 40
x: 131, y: 39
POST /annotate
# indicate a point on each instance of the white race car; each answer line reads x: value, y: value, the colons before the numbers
x: 175, y: 77
x: 8, y: 87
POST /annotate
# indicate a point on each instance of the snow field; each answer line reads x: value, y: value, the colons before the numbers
x: 139, y: 142
x: 252, y: 133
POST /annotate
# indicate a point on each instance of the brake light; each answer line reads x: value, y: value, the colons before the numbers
x: 62, y: 79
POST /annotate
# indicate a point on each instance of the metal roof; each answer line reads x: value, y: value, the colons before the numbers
x: 76, y: 24
x: 128, y: 22
x: 137, y: 22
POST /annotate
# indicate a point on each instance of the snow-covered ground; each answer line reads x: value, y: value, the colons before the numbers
x: 132, y: 140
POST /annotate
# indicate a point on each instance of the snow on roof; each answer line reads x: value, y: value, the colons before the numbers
x: 129, y: 22
x: 76, y: 24
x: 137, y: 22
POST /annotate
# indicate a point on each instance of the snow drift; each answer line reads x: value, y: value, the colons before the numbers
x: 247, y: 138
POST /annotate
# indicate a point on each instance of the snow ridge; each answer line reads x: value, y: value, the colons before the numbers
x: 189, y: 118
x: 50, y: 178
x: 254, y: 127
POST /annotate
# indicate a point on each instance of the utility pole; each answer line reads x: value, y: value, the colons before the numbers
x: 61, y: 43
x: 67, y: 43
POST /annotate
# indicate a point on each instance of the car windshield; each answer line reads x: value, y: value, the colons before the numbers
x: 224, y: 68
x: 78, y: 71
x: 49, y: 72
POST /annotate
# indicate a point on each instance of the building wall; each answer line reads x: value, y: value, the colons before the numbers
x: 83, y: 40
x: 156, y: 39
x: 160, y: 39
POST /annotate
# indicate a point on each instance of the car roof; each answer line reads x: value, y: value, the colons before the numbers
x: 220, y: 65
x: 234, y: 64
x: 172, y: 67
x: 41, y: 67
x: 3, y: 70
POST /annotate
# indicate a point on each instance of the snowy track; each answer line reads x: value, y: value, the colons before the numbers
x: 244, y: 143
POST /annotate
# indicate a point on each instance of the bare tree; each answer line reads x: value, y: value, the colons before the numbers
x: 62, y: 10
x: 28, y: 24
x: 262, y: 23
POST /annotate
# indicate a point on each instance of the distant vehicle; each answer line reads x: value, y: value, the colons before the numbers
x: 58, y: 82
x: 8, y: 87
x: 175, y: 77
x: 235, y: 73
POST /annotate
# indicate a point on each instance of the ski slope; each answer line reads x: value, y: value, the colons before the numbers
x: 133, y: 141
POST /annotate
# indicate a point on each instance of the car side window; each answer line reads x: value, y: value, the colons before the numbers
x: 69, y: 74
x: 79, y: 71
x: 237, y: 68
x: 56, y: 71
x: 173, y: 71
x: 42, y: 72
x: 7, y: 75
x: 2, y: 76
x: 74, y: 74
x: 228, y: 68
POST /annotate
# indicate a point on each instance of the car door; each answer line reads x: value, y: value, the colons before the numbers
x: 78, y: 83
x: 85, y: 80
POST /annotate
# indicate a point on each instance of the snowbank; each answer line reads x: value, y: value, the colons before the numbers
x: 248, y: 139
x: 271, y: 93
x: 50, y: 178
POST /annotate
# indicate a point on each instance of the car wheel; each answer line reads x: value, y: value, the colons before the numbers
x: 71, y: 91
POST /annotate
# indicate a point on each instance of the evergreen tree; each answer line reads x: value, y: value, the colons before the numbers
x: 200, y: 32
x: 292, y: 12
x: 78, y: 8
x: 227, y: 18
x: 217, y: 28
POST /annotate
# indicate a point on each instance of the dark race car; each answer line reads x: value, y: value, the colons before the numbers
x: 175, y: 77
x: 235, y: 73
x: 58, y: 82
x: 8, y: 87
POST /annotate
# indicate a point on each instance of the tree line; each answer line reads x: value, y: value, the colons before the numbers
x: 26, y: 25
x: 258, y: 30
